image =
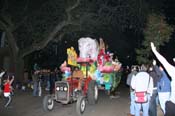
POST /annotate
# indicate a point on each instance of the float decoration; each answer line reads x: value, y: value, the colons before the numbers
x: 66, y: 70
x: 72, y: 56
x: 88, y: 48
x: 93, y: 59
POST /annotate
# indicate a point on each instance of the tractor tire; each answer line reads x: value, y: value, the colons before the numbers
x: 80, y: 105
x: 92, y: 93
x: 48, y: 103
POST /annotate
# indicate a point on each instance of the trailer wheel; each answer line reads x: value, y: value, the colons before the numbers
x: 92, y: 94
x: 48, y: 103
x: 80, y: 105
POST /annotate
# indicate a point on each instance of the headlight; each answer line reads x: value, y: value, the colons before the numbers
x: 57, y: 88
x: 65, y: 88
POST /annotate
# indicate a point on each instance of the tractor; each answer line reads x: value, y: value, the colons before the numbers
x: 75, y: 88
x: 96, y: 68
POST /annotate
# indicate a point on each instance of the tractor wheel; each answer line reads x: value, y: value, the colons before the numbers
x: 48, y: 103
x: 80, y: 105
x: 92, y: 93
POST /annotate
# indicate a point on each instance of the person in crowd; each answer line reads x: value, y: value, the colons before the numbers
x: 132, y: 96
x: 8, y: 89
x: 142, y: 82
x: 35, y: 78
x: 47, y: 76
x: 58, y: 74
x: 163, y: 88
x: 126, y: 71
x: 39, y: 83
x: 52, y: 80
x: 170, y: 69
x: 1, y: 85
x: 77, y: 73
x: 36, y: 67
x: 156, y: 75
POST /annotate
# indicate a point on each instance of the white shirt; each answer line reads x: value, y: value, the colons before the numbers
x: 170, y: 70
x: 1, y: 74
x: 142, y: 81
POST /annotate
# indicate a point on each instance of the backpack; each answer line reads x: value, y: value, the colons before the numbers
x: 141, y: 97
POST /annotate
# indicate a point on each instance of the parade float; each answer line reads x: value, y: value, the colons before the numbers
x: 83, y: 74
x: 102, y: 67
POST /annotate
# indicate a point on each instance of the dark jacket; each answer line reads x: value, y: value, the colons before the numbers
x: 156, y: 75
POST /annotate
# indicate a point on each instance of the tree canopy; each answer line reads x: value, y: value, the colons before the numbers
x: 157, y: 31
x: 31, y: 25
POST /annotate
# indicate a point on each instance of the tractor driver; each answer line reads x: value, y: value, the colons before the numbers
x: 77, y: 73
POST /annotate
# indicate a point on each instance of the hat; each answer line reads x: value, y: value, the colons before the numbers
x: 143, y: 68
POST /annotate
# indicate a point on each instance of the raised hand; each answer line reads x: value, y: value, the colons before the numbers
x: 154, y: 62
x: 153, y: 46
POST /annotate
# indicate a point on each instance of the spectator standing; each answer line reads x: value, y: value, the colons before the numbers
x: 35, y: 78
x: 132, y: 96
x: 170, y: 105
x: 48, y: 80
x: 57, y: 74
x: 156, y: 75
x: 36, y: 67
x: 52, y: 79
x: 142, y: 82
x: 163, y: 88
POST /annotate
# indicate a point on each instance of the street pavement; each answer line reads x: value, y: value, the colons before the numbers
x: 24, y: 104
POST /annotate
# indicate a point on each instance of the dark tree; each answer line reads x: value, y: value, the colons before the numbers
x: 31, y: 24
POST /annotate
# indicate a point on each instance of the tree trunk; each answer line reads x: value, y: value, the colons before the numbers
x: 19, y: 69
x: 18, y: 61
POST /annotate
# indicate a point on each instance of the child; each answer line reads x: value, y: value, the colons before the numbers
x: 8, y: 89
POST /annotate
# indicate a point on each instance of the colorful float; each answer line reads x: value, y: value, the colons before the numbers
x: 101, y: 66
x: 83, y: 75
